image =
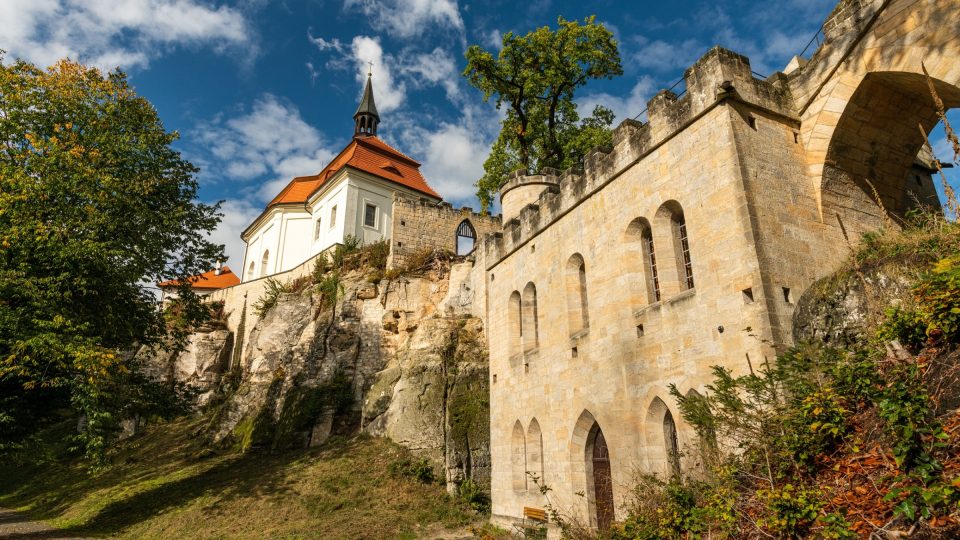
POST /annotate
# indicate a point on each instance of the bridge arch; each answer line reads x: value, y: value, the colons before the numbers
x: 861, y: 98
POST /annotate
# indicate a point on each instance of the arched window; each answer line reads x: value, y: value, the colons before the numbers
x: 685, y: 268
x: 645, y: 284
x: 576, y: 285
x: 534, y: 451
x: 250, y: 274
x: 661, y: 435
x: 466, y: 238
x: 518, y: 458
x: 528, y: 325
x: 672, y: 227
x: 316, y: 230
x: 515, y: 321
x: 263, y: 263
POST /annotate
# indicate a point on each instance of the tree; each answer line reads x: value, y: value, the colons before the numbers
x: 94, y: 204
x: 536, y: 76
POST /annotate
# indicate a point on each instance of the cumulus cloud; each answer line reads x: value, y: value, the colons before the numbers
x: 271, y: 140
x: 393, y: 74
x: 453, y: 153
x: 409, y: 18
x: 389, y: 91
x: 624, y: 107
x: 111, y: 33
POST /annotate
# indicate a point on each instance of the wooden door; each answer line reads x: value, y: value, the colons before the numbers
x: 602, y: 482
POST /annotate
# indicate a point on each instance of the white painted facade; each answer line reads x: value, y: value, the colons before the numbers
x: 285, y: 236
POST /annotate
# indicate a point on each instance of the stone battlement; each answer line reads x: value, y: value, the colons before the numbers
x: 533, y: 202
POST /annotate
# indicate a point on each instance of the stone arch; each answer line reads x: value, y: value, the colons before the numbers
x: 528, y: 325
x: 575, y: 283
x: 518, y: 458
x: 874, y: 148
x: 466, y: 238
x: 585, y: 455
x: 534, y: 451
x: 515, y: 323
x: 264, y: 261
x: 660, y: 431
x: 884, y: 39
x: 671, y: 225
x: 642, y: 262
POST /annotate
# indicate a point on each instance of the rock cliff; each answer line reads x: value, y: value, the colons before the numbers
x: 403, y: 359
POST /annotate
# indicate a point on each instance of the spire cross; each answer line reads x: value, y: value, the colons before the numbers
x: 370, y: 71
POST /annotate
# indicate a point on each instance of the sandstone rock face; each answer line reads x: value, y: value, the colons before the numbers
x: 388, y: 360
x: 839, y: 312
x: 200, y: 365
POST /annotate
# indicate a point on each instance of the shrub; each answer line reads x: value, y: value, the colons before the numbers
x: 471, y: 494
x: 265, y: 303
x: 420, y: 470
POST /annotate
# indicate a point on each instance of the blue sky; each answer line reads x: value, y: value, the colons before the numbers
x: 264, y: 90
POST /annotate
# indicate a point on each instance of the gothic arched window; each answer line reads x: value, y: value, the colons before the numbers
x: 466, y: 238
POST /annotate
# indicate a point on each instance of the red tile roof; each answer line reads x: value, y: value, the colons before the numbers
x: 209, y: 280
x: 368, y: 154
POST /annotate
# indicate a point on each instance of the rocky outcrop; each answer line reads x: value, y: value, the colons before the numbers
x: 200, y: 364
x: 842, y: 309
x: 403, y: 359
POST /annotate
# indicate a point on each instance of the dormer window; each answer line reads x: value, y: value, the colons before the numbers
x: 390, y: 166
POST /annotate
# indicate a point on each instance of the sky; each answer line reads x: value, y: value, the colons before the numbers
x: 264, y: 90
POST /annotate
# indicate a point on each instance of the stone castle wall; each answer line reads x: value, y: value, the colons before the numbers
x: 773, y: 178
x: 419, y: 225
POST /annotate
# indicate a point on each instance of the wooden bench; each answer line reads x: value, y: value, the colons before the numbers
x: 534, y: 514
x: 534, y: 524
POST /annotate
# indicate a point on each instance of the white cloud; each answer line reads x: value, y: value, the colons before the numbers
x: 238, y: 214
x: 388, y: 91
x: 111, y: 33
x: 271, y: 140
x: 437, y: 67
x: 409, y: 18
x: 453, y: 153
x: 624, y: 107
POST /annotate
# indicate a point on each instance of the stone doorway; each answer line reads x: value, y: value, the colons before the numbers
x: 602, y: 481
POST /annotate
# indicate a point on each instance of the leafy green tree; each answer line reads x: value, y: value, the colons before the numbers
x: 94, y: 204
x: 536, y: 76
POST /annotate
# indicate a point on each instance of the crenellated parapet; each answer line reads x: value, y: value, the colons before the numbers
x: 532, y: 202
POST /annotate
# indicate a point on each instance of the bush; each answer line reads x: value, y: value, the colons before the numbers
x: 420, y: 470
x: 265, y: 303
x: 471, y: 494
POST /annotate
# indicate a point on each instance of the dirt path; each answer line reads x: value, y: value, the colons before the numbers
x: 16, y: 526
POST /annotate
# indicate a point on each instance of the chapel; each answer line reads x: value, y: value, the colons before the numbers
x: 351, y: 197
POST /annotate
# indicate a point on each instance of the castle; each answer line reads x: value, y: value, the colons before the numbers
x: 684, y: 246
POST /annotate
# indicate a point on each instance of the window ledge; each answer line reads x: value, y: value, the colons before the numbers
x: 579, y: 335
x: 689, y: 293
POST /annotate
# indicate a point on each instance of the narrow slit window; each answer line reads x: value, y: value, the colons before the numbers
x: 333, y: 216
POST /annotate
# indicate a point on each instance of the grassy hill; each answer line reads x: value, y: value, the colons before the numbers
x: 166, y: 484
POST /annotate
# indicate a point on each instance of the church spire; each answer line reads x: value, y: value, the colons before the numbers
x: 366, y: 117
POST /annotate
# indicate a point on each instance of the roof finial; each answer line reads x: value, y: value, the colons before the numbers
x: 370, y: 70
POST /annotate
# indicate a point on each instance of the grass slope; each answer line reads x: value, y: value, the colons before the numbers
x: 164, y: 484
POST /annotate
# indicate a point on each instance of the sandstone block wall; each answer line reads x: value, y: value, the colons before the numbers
x: 419, y: 225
